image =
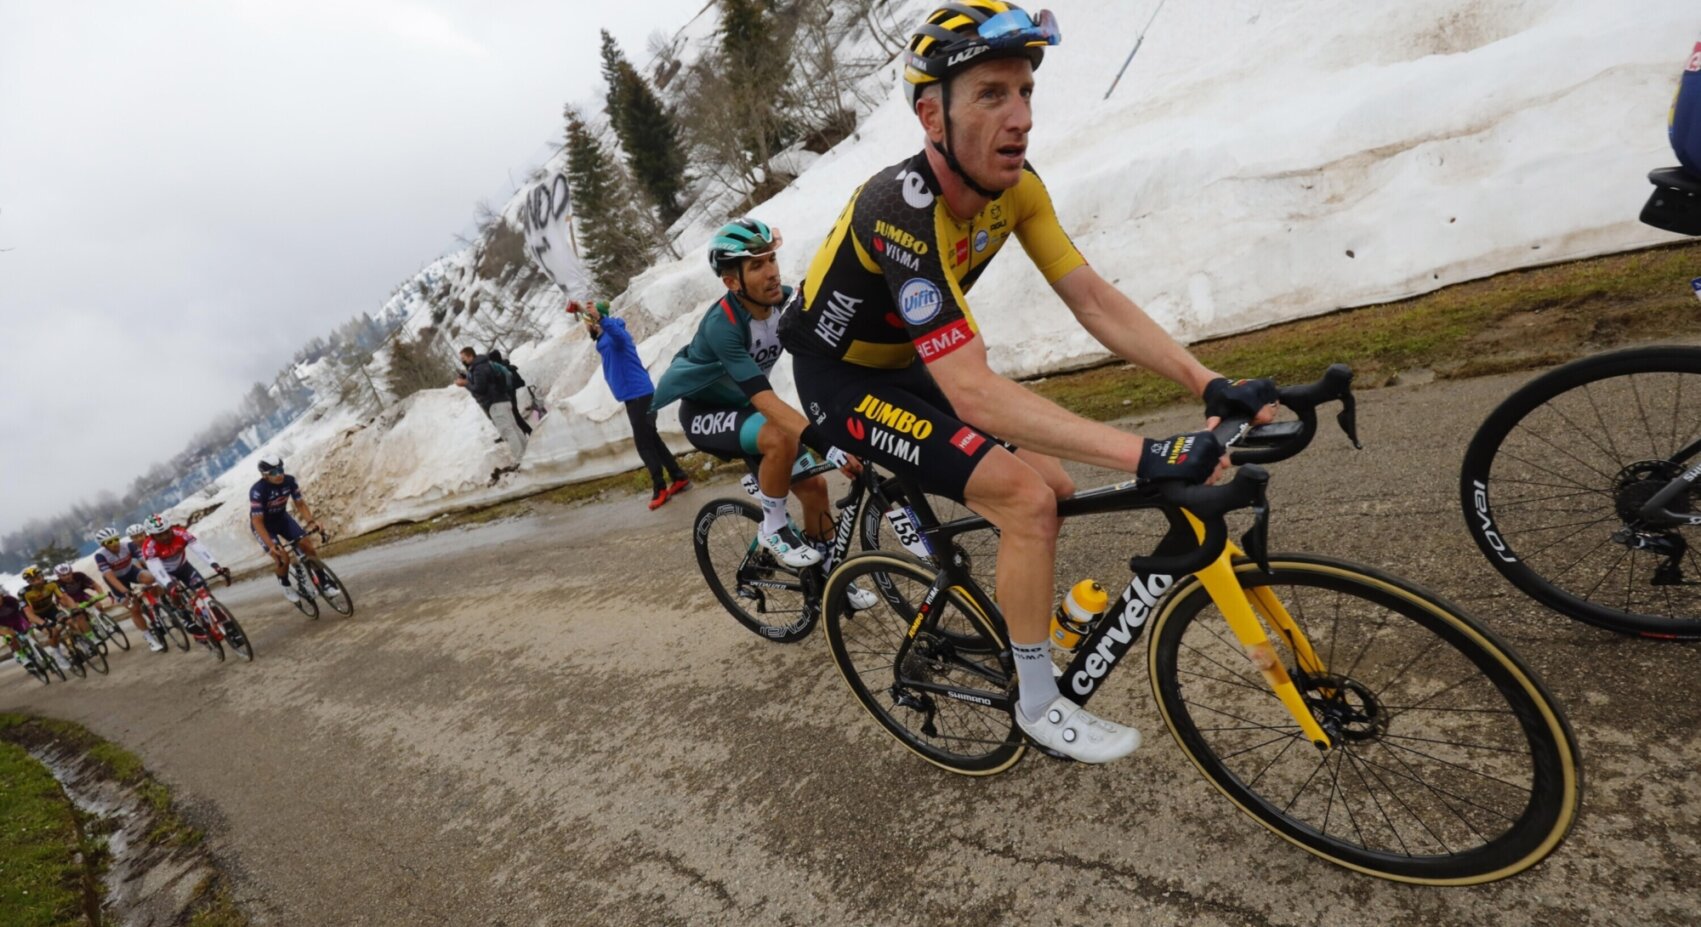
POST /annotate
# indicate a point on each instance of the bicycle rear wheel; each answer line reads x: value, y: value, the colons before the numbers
x: 171, y: 627
x: 1552, y: 482
x: 1451, y: 764
x: 35, y: 662
x: 306, y: 601
x: 946, y: 703
x: 980, y: 548
x: 343, y: 602
x: 771, y: 599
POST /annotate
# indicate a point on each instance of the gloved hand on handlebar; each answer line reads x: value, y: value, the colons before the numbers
x: 1251, y: 399
x: 1191, y: 458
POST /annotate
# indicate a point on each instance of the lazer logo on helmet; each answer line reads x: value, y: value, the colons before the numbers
x: 1137, y: 600
x: 968, y: 55
x: 919, y: 301
x: 881, y: 412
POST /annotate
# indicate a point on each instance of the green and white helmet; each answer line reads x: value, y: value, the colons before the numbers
x: 740, y: 239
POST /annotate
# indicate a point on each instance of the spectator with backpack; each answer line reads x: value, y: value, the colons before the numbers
x: 492, y: 388
x: 518, y: 383
x: 631, y: 385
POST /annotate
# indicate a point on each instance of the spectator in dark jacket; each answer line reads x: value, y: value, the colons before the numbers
x: 491, y: 391
x: 515, y: 384
x: 631, y: 385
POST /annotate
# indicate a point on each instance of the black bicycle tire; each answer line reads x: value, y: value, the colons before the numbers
x: 1478, y: 464
x: 117, y: 630
x: 305, y: 601
x: 836, y: 611
x: 92, y: 652
x: 701, y: 526
x: 171, y: 625
x: 52, y: 662
x: 314, y: 563
x: 36, y: 661
x: 229, y: 623
x: 1556, y: 773
x: 74, y: 652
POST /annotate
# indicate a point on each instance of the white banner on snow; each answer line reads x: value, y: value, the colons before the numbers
x: 548, y: 214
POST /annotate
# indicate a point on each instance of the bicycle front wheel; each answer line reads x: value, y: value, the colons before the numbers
x: 230, y: 630
x: 1451, y: 764
x: 343, y: 601
x: 170, y: 623
x: 1553, y: 481
x: 947, y: 703
x: 113, y: 631
x: 94, y: 655
x: 761, y: 593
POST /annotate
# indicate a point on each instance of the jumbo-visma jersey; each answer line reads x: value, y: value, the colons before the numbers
x: 888, y: 284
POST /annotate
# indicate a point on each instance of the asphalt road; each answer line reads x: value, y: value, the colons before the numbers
x: 550, y: 721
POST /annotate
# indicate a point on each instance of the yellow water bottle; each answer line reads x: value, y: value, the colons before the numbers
x: 1075, y: 615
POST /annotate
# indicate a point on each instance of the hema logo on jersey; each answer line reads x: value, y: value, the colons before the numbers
x: 919, y: 301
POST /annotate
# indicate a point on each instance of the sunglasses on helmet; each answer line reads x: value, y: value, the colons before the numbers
x: 1014, y: 28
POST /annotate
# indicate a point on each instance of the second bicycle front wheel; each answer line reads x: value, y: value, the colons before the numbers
x: 343, y: 601
x: 232, y: 632
x: 764, y: 595
x: 947, y: 702
x: 1451, y: 764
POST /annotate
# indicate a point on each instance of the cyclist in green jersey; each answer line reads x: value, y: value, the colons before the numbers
x: 889, y: 362
x: 726, y: 405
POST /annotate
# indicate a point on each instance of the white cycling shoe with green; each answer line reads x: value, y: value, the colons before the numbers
x: 789, y: 547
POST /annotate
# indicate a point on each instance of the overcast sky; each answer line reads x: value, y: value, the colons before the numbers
x: 190, y: 190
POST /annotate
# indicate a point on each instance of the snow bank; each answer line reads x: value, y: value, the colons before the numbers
x: 1259, y: 162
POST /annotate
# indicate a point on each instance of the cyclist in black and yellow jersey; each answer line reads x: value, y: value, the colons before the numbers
x: 45, y: 604
x: 888, y: 359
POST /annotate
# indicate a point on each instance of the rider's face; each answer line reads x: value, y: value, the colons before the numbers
x: 762, y: 278
x: 991, y: 115
x: 110, y: 543
x: 275, y: 477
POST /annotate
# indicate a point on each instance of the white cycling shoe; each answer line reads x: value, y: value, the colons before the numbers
x: 861, y: 599
x: 1077, y: 733
x: 290, y: 595
x: 789, y: 549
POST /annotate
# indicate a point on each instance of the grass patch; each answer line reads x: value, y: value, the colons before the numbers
x: 1514, y: 321
x: 214, y: 907
x: 41, y: 874
x: 118, y: 763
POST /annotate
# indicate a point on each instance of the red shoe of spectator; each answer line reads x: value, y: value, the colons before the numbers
x: 658, y: 500
x: 679, y: 486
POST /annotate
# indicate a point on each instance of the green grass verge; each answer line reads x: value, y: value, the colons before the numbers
x: 1513, y: 321
x: 119, y: 763
x: 41, y: 873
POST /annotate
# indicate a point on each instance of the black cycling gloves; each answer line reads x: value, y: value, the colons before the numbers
x: 1191, y: 458
x: 1225, y: 398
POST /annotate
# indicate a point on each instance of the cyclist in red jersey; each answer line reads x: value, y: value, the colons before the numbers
x: 166, y: 552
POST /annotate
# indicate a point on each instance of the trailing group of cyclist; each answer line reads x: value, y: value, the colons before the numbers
x: 61, y: 622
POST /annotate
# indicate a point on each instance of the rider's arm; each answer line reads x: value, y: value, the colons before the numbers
x: 156, y: 566
x: 1128, y: 331
x: 200, y: 550
x: 113, y: 582
x: 780, y: 412
x: 1010, y: 411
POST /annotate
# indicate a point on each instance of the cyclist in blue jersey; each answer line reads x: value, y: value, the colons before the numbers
x: 268, y: 513
x: 726, y: 404
x: 1686, y: 115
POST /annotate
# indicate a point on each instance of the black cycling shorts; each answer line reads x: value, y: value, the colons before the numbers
x: 899, y: 419
x: 729, y: 434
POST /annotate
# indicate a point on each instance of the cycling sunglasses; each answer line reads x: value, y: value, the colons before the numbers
x: 271, y: 471
x: 1015, y: 28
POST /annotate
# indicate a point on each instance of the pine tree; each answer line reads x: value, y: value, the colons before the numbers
x: 617, y: 240
x: 646, y: 131
x: 757, y: 63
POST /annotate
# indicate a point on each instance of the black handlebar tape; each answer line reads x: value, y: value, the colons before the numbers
x: 1209, y: 504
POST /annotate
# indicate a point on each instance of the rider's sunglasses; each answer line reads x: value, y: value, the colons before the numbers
x: 109, y: 542
x: 1015, y: 28
x: 272, y: 471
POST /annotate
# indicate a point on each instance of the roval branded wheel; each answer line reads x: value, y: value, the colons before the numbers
x: 937, y: 698
x: 343, y: 602
x: 1553, y: 480
x: 764, y: 595
x: 1451, y: 764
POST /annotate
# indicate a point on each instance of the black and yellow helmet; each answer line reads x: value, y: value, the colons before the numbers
x: 961, y: 33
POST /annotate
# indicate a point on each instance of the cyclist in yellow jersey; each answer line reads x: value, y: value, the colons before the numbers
x: 889, y: 363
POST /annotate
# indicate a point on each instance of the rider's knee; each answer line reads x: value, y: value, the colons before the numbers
x: 771, y: 439
x: 1024, y: 505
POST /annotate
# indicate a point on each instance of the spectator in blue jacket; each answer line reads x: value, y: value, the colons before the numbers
x: 631, y: 385
x: 1686, y: 115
